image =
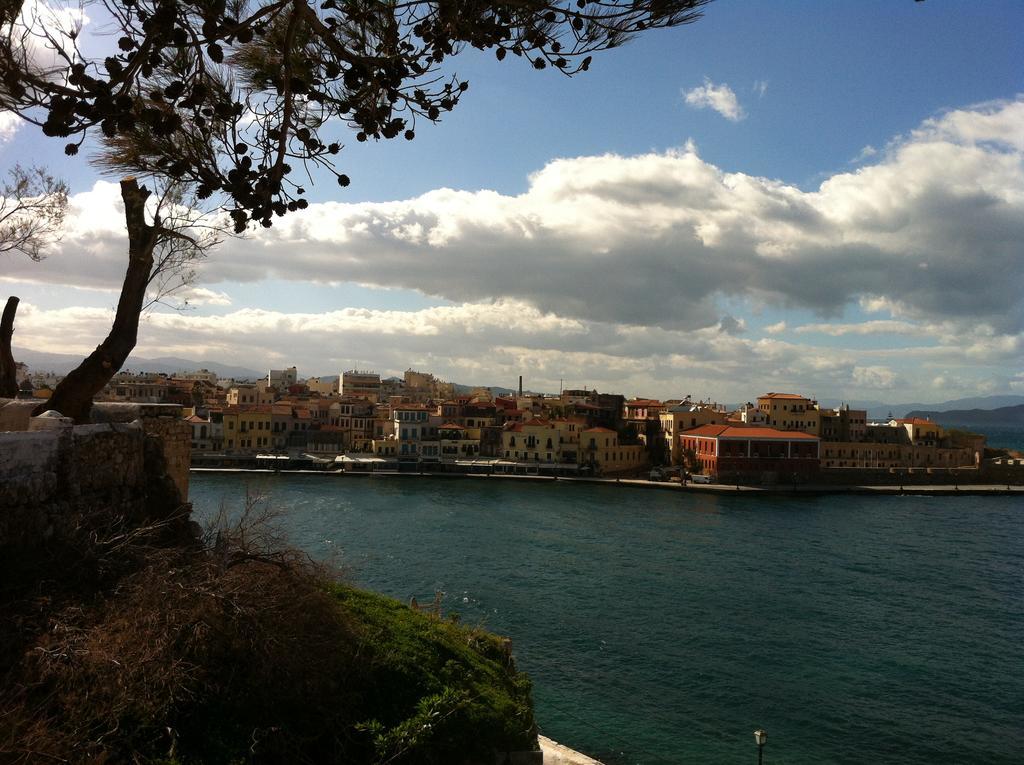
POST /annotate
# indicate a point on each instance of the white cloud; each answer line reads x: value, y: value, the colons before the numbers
x: 877, y: 377
x: 656, y: 239
x: 721, y: 98
x: 867, y: 152
x: 626, y: 257
x: 9, y: 124
x: 197, y: 296
x: 492, y: 343
x: 878, y: 327
x: 38, y: 22
x: 760, y: 87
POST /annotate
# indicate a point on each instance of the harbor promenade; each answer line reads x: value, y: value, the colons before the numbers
x: 714, y: 488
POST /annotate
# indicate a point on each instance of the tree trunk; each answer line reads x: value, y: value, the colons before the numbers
x: 8, y: 376
x: 73, y: 396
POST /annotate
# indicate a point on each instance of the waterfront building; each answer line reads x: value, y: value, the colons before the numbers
x: 760, y: 454
x: 281, y: 425
x: 201, y: 433
x: 457, y: 443
x: 247, y: 428
x: 384, y: 447
x: 600, y: 449
x: 683, y: 416
x: 533, y: 440
x: 905, y: 444
x: 642, y: 418
x: 477, y: 414
x: 411, y: 425
x: 867, y: 454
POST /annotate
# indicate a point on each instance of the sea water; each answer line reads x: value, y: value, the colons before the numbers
x: 665, y: 627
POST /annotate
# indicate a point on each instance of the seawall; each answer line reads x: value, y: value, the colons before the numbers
x: 131, y: 462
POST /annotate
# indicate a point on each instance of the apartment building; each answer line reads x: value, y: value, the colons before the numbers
x: 790, y: 411
x: 600, y: 449
x: 366, y: 385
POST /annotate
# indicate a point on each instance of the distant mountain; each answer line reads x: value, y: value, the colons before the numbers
x: 497, y: 390
x: 979, y: 418
x: 62, y: 363
x: 878, y: 410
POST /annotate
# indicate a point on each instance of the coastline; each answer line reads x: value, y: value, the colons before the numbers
x: 951, y: 490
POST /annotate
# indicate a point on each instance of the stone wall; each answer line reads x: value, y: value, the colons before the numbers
x: 162, y: 421
x: 131, y: 463
x: 904, y: 476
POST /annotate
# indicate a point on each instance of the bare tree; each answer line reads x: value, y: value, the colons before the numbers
x: 32, y: 208
x: 159, y: 255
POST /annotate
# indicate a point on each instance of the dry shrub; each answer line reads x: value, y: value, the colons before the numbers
x: 227, y: 647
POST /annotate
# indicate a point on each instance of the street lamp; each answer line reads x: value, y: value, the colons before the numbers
x: 760, y: 737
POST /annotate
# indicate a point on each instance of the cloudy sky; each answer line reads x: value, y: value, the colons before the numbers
x: 819, y: 198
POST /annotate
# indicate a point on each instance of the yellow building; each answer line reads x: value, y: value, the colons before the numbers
x: 457, y: 442
x: 789, y: 411
x: 845, y: 454
x: 921, y: 431
x: 535, y: 440
x: 247, y: 428
x: 384, y: 447
x: 243, y: 395
x: 600, y: 448
x: 569, y: 430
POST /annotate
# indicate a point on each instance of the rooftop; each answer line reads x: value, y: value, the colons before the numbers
x: 733, y: 431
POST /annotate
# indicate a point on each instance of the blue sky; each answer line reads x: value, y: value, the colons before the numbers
x: 826, y: 91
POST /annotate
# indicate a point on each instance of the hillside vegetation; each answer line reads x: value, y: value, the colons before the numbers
x: 118, y: 645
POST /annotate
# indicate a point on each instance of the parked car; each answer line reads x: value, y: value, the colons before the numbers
x: 700, y: 479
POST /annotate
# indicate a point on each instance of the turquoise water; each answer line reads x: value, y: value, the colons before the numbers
x: 1003, y: 438
x: 665, y: 628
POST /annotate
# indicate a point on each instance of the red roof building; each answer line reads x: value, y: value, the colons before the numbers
x: 728, y: 452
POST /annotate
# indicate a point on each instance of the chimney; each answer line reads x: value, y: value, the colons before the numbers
x: 520, y: 385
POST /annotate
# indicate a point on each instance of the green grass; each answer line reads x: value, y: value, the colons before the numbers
x: 440, y: 692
